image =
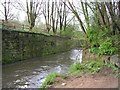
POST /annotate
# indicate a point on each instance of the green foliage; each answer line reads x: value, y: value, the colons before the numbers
x: 107, y: 48
x: 76, y: 68
x: 92, y: 34
x: 112, y: 66
x: 94, y: 50
x: 91, y: 66
x: 114, y: 69
x: 100, y: 41
x: 94, y: 66
x: 49, y: 80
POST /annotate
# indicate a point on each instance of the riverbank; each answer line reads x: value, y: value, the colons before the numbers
x: 97, y: 72
x: 17, y: 48
x: 32, y: 72
x: 104, y: 79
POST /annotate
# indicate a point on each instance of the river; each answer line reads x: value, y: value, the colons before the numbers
x: 31, y: 73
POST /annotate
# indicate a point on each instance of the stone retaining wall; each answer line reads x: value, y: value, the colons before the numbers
x: 18, y: 45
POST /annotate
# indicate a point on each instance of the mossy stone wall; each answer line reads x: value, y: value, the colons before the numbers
x: 18, y: 45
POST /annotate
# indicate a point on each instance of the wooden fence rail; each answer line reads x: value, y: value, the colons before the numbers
x: 13, y: 25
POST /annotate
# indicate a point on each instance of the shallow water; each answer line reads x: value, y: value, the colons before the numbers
x: 31, y: 73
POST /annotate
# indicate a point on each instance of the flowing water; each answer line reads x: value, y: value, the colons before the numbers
x: 31, y: 73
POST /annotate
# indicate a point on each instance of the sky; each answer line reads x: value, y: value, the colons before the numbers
x: 19, y: 14
x: 12, y: 9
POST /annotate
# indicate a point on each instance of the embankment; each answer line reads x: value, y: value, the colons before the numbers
x: 18, y: 45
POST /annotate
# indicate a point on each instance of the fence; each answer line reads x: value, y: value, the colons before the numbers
x: 13, y: 26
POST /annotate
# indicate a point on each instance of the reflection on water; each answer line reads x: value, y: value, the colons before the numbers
x: 31, y: 73
x: 76, y: 55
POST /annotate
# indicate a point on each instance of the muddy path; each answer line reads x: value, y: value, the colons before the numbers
x: 104, y: 79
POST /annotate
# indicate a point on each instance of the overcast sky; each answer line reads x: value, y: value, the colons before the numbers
x: 18, y: 13
x: 21, y: 14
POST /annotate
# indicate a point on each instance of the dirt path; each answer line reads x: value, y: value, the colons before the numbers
x: 103, y: 79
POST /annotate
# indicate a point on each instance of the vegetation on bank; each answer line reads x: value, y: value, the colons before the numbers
x: 76, y: 69
x: 49, y: 80
x: 91, y: 67
x: 101, y: 41
x: 99, y: 25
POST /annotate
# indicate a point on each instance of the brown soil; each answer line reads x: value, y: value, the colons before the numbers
x: 104, y: 79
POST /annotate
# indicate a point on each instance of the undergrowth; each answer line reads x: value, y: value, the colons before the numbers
x: 91, y: 66
x: 114, y: 69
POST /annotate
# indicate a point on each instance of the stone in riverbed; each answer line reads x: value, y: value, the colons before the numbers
x: 63, y: 84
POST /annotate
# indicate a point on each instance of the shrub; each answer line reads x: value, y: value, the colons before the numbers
x: 100, y: 40
x: 106, y: 48
x: 93, y: 35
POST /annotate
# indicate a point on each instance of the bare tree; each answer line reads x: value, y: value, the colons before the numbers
x: 47, y: 14
x: 50, y: 12
x: 112, y: 9
x: 55, y: 14
x: 74, y: 11
x: 7, y: 10
x: 85, y: 12
x: 32, y: 9
x: 62, y: 12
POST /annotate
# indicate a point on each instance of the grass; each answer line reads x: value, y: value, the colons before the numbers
x: 114, y: 69
x: 49, y: 80
x: 92, y: 66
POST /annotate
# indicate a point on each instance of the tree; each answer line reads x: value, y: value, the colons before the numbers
x: 85, y: 12
x: 106, y: 14
x: 7, y: 10
x: 62, y: 12
x: 74, y: 11
x: 55, y: 14
x: 32, y: 9
x: 47, y: 14
x: 111, y: 6
x: 51, y: 15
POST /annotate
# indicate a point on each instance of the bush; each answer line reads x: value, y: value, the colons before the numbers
x: 106, y: 48
x: 100, y: 40
x: 93, y: 35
